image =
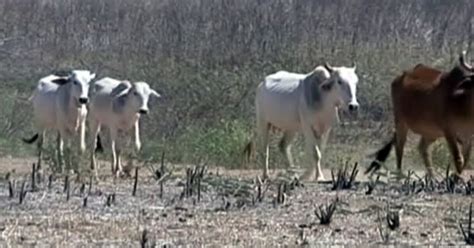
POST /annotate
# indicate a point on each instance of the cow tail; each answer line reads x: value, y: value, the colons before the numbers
x: 248, y: 151
x: 31, y: 140
x: 381, y: 156
x: 99, y: 148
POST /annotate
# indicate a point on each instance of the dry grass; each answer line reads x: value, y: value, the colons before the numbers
x: 226, y: 214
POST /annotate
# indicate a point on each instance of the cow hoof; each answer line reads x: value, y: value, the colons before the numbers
x: 456, y: 178
x: 320, y: 178
x: 397, y: 176
x: 119, y: 174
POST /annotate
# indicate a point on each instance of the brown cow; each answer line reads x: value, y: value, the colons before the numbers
x: 433, y: 104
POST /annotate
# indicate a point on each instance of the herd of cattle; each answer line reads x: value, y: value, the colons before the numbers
x: 427, y: 101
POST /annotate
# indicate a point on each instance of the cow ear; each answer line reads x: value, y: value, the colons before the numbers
x: 354, y: 65
x: 121, y: 89
x: 60, y: 81
x: 93, y: 76
x: 154, y: 93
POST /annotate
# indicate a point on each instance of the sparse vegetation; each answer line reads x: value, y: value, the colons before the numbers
x: 206, y: 58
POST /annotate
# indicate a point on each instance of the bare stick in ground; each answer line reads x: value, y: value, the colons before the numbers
x: 50, y: 181
x: 393, y: 220
x: 468, y: 234
x: 325, y: 213
x: 90, y: 185
x: 110, y: 200
x: 22, y: 194
x: 281, y: 194
x: 66, y: 183
x: 144, y: 238
x: 199, y: 188
x: 33, y: 177
x: 11, y: 188
x: 135, y: 182
x: 343, y: 180
x: 82, y: 189
x: 162, y: 173
x: 193, y: 180
x: 469, y: 186
x: 384, y: 235
x: 68, y: 191
x: 84, y: 202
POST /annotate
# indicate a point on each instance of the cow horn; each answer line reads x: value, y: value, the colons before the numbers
x: 354, y: 65
x: 328, y: 67
x: 463, y: 63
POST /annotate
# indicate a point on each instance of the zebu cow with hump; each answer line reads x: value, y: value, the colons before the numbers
x: 306, y: 103
x: 433, y: 104
x: 117, y: 105
x: 59, y: 103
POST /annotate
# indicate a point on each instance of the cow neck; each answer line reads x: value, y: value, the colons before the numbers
x: 64, y: 92
x: 127, y: 111
x: 451, y: 79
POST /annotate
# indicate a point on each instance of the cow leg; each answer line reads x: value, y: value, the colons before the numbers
x: 324, y: 139
x: 455, y: 152
x: 285, y: 147
x: 136, y: 130
x: 423, y: 148
x: 314, y: 154
x: 113, y: 139
x: 119, y: 168
x: 82, y: 136
x: 400, y: 139
x: 263, y: 134
x: 60, y: 143
x: 95, y: 129
x: 120, y: 144
x: 40, y: 149
x: 466, y: 147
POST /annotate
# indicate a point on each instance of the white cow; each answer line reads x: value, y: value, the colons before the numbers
x: 307, y: 103
x: 59, y: 103
x: 117, y: 105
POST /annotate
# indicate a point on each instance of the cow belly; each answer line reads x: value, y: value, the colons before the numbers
x: 426, y: 129
x: 278, y: 108
x: 283, y: 115
x: 44, y: 110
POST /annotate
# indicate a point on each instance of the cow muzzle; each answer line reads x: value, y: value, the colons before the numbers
x: 83, y: 100
x: 143, y: 111
x: 353, y: 107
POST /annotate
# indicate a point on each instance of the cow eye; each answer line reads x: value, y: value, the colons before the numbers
x: 339, y: 82
x: 135, y: 93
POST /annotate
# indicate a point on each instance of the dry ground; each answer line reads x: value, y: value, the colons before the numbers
x: 225, y: 215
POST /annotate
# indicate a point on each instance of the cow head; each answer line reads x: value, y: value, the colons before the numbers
x: 80, y: 81
x: 138, y: 97
x: 463, y: 75
x: 344, y: 81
